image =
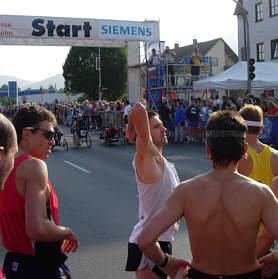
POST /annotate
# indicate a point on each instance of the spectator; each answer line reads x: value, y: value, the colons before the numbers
x: 154, y: 59
x: 231, y: 103
x: 169, y: 58
x: 272, y: 109
x: 239, y: 103
x: 192, y: 114
x: 127, y: 109
x: 204, y: 115
x: 217, y: 102
x: 195, y: 61
x: 248, y: 98
x: 179, y: 122
x: 166, y: 118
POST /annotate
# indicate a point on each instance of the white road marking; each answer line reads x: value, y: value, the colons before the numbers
x: 76, y: 166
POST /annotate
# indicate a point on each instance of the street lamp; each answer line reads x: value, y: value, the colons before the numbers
x: 98, y: 68
x: 41, y: 91
x: 246, y: 41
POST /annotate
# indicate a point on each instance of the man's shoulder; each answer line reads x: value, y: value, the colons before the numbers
x: 31, y: 165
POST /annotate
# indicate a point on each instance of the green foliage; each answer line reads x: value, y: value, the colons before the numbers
x: 4, y: 87
x: 7, y: 101
x: 81, y: 75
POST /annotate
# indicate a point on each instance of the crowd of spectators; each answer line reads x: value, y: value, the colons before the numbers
x: 197, y: 112
x: 97, y: 115
x: 183, y: 120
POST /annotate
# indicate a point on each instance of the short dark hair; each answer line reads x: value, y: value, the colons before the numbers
x: 225, y: 136
x: 152, y: 114
x: 6, y: 133
x: 31, y: 116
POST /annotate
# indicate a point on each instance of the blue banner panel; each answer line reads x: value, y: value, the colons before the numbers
x: 12, y: 89
x: 269, y: 135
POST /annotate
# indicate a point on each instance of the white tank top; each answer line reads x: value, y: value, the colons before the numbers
x: 152, y: 197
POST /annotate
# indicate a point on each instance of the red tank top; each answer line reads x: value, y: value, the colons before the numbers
x: 12, y: 214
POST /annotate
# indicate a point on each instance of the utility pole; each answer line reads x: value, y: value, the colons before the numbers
x: 246, y: 41
x: 98, y: 68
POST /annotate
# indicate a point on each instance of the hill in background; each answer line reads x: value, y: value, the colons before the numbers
x: 57, y: 81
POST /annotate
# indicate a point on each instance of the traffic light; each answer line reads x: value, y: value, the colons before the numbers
x: 251, y: 68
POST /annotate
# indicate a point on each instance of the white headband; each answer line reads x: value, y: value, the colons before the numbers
x: 253, y: 123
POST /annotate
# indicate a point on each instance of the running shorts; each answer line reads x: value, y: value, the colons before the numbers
x: 18, y: 266
x: 136, y: 260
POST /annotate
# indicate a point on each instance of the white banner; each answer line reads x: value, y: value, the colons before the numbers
x: 32, y: 30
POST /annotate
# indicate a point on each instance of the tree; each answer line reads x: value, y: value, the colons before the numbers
x: 81, y: 75
x: 4, y: 87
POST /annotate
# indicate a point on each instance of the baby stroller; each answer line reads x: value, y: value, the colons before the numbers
x: 111, y: 135
x: 59, y: 139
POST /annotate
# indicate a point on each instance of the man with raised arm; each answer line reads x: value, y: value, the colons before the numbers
x: 222, y: 209
x: 29, y: 207
x: 156, y: 178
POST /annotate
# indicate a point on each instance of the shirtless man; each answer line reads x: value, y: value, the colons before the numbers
x: 222, y: 209
x: 29, y: 206
x: 156, y: 178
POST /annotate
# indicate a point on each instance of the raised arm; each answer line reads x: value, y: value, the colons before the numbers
x: 138, y: 130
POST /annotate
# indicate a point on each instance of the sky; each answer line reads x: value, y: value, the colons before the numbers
x: 179, y: 21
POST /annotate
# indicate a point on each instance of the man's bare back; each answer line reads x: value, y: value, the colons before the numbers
x: 222, y: 212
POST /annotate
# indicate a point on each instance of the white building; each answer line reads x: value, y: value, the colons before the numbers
x: 263, y: 29
x: 262, y: 16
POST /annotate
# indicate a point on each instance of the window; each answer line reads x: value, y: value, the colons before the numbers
x: 273, y: 5
x: 259, y: 11
x: 274, y: 49
x: 214, y: 61
x: 243, y: 54
x: 260, y: 52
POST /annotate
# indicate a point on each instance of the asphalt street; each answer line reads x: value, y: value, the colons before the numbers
x: 98, y: 200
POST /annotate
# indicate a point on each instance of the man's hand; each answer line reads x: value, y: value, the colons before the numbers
x: 179, y: 264
x: 70, y: 244
x: 268, y: 265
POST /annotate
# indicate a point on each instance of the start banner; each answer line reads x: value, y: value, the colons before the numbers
x: 41, y: 30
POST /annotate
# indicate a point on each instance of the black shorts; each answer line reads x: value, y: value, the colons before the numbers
x: 194, y: 274
x: 136, y: 260
x: 18, y: 266
x: 195, y: 70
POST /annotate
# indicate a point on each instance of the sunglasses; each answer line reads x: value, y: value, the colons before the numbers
x: 49, y: 135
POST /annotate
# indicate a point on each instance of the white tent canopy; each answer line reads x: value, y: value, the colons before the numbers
x: 236, y: 77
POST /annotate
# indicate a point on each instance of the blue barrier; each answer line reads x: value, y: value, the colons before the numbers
x: 270, y: 132
x: 28, y: 91
x: 155, y: 76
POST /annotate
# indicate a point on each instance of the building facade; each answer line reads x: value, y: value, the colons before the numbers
x: 262, y: 18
